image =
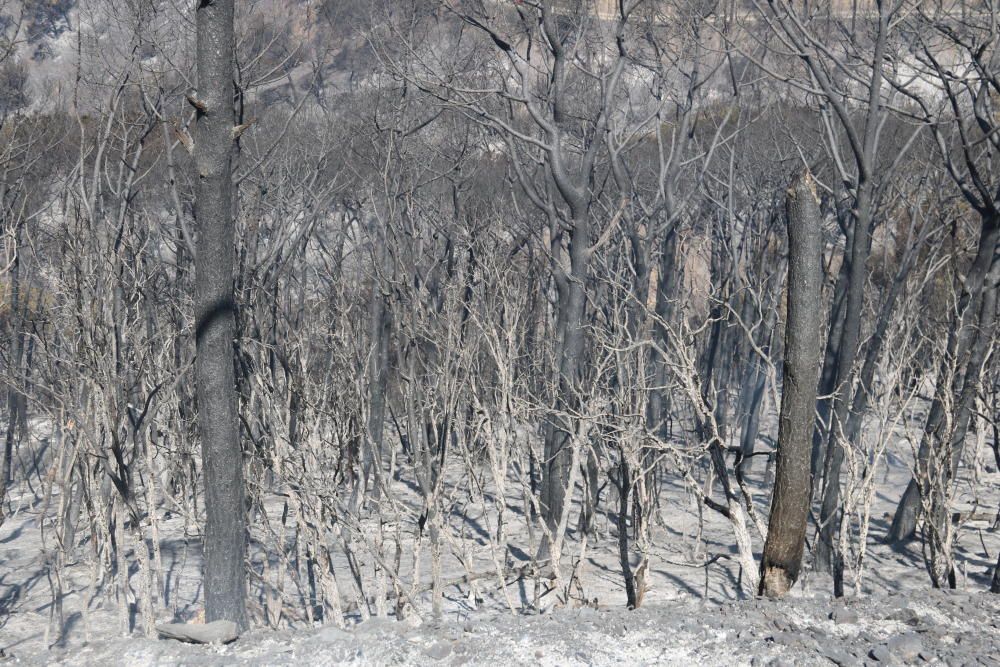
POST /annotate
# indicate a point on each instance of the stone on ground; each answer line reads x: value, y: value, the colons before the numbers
x: 216, y: 632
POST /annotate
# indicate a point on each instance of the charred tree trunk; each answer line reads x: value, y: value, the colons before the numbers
x: 754, y: 387
x: 828, y: 376
x: 786, y: 533
x: 591, y: 495
x: 624, y: 487
x: 559, y: 436
x: 372, y: 457
x: 961, y: 341
x: 17, y: 417
x: 667, y: 279
x: 995, y: 586
x: 942, y: 466
x: 863, y: 393
x: 827, y: 553
x: 225, y: 529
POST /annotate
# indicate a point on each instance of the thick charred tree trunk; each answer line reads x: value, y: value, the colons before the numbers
x: 559, y: 434
x: 793, y: 483
x: 225, y: 529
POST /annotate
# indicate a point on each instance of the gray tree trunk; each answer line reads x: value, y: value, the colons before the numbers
x: 558, y: 441
x: 372, y: 456
x: 754, y: 386
x: 624, y: 487
x: 828, y: 376
x: 878, y: 338
x: 17, y: 408
x: 786, y: 533
x: 668, y: 277
x: 218, y: 427
x: 827, y: 556
x: 960, y: 342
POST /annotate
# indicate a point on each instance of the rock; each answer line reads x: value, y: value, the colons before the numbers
x: 842, y: 615
x: 905, y: 647
x: 791, y: 639
x: 331, y: 634
x: 905, y: 615
x: 838, y: 657
x: 953, y: 660
x: 881, y: 653
x: 378, y: 626
x: 216, y: 632
x: 817, y: 631
x: 781, y: 623
x: 783, y: 638
x: 438, y: 650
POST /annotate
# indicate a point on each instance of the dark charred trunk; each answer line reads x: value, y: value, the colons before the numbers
x: 790, y: 503
x: 560, y: 430
x: 225, y: 529
x: 377, y: 363
x: 624, y: 487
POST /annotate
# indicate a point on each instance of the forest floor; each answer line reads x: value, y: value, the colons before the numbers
x: 935, y: 628
x: 693, y: 613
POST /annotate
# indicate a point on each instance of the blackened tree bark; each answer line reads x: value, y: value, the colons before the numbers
x: 793, y: 483
x: 380, y: 357
x: 861, y: 188
x: 756, y: 383
x: 624, y: 487
x: 573, y: 299
x: 995, y: 587
x: 225, y: 529
x: 828, y: 376
x: 371, y: 463
x: 16, y: 404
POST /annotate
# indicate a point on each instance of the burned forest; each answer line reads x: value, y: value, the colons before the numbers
x: 563, y: 332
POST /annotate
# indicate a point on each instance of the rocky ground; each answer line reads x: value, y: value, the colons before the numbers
x: 938, y: 628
